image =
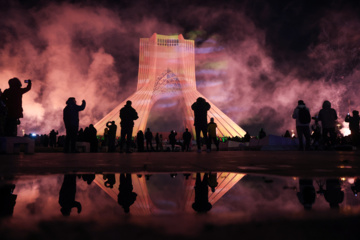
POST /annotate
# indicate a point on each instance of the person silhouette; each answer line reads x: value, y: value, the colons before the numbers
x: 172, y: 139
x: 201, y: 203
x: 140, y: 141
x: 92, y: 138
x: 71, y: 121
x: 354, y: 126
x: 187, y: 140
x: 149, y: 138
x: 3, y: 112
x: 88, y: 178
x: 67, y: 195
x: 52, y: 138
x: 110, y: 180
x: 7, y: 199
x: 247, y: 137
x: 328, y: 117
x: 111, y: 135
x: 303, y: 118
x: 127, y: 115
x: 126, y: 196
x: 105, y: 142
x: 307, y: 194
x: 212, y: 181
x: 262, y: 133
x: 12, y: 97
x: 81, y: 135
x: 211, y: 129
x: 316, y: 133
x: 287, y: 134
x: 200, y: 108
x: 157, y: 141
x: 333, y: 193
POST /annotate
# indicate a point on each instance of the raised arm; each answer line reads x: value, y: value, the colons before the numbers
x: 27, y: 88
x: 82, y: 106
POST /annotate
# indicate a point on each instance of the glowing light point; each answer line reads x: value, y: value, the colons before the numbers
x: 167, y: 66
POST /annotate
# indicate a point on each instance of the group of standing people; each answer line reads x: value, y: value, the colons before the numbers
x: 148, y: 139
x: 327, y: 130
x: 128, y: 115
x: 200, y: 108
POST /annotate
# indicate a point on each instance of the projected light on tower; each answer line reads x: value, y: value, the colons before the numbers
x: 167, y: 66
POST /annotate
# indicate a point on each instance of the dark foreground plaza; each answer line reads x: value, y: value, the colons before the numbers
x: 257, y: 195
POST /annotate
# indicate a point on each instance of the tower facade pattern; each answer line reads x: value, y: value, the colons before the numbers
x: 167, y: 66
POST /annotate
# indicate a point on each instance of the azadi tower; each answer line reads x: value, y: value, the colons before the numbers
x: 167, y: 66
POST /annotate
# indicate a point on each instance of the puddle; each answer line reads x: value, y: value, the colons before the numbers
x: 161, y: 199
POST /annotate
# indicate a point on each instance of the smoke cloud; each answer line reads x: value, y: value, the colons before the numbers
x: 254, y: 60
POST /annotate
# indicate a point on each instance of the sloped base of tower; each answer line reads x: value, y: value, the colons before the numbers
x: 143, y: 101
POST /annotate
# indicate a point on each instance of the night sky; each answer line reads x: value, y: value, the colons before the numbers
x: 254, y: 59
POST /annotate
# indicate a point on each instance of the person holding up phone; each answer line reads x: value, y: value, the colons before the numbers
x: 12, y: 97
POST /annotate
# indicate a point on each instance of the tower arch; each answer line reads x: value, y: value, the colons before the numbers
x: 167, y: 65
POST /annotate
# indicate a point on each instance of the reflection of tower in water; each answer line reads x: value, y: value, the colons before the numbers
x: 167, y: 69
x: 144, y: 205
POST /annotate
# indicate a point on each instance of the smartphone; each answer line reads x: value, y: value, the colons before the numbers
x: 26, y: 81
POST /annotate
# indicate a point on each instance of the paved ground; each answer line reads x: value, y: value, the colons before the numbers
x: 285, y: 163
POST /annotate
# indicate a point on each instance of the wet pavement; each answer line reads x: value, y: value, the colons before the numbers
x: 247, y: 194
x: 284, y: 163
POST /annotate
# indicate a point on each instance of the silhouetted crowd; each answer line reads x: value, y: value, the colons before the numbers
x: 322, y: 134
x: 307, y: 190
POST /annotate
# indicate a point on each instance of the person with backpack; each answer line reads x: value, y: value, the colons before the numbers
x: 303, y: 118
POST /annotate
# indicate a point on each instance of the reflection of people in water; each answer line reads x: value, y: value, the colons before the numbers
x: 201, y: 203
x: 89, y: 178
x: 67, y: 195
x: 110, y: 180
x: 126, y: 196
x: 356, y: 187
x: 333, y: 194
x: 307, y: 194
x: 7, y: 200
x: 212, y: 181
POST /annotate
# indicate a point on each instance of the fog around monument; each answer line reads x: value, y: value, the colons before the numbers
x: 252, y: 70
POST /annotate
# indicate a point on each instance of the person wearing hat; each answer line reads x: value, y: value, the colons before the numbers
x: 12, y: 97
x: 71, y: 121
x: 302, y: 115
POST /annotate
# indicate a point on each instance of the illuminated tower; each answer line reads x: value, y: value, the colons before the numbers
x: 167, y: 66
